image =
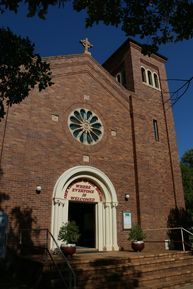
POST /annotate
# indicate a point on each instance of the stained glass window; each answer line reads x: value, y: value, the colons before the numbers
x: 85, y: 126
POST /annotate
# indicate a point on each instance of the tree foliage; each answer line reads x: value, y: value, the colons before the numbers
x: 159, y: 20
x: 187, y: 179
x: 187, y: 159
x: 178, y: 217
x: 35, y: 7
x: 20, y: 69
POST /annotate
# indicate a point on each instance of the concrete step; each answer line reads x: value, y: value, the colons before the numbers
x: 166, y: 265
x: 142, y: 266
x: 170, y: 281
x: 134, y: 281
x: 123, y: 270
x: 153, y: 271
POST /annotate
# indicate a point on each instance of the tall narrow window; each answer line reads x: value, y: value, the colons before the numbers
x: 156, y: 80
x: 143, y: 74
x: 149, y: 74
x: 119, y: 77
x: 155, y: 130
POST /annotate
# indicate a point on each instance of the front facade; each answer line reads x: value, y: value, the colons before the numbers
x: 100, y: 143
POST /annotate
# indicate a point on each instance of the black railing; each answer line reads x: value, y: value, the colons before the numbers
x: 36, y: 241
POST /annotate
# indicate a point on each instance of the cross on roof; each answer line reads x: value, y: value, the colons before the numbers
x: 86, y: 44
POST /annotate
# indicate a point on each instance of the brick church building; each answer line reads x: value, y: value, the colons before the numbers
x: 97, y: 147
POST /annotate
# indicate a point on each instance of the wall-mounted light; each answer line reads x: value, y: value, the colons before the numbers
x: 127, y: 196
x: 38, y: 189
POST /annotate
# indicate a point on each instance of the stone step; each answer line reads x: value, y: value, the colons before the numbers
x: 156, y: 274
x: 170, y: 264
x: 145, y: 266
x: 164, y: 273
x: 121, y: 270
x: 172, y: 281
x: 160, y: 257
x: 124, y: 258
x: 147, y: 272
x: 136, y: 282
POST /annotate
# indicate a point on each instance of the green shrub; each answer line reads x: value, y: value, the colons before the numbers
x: 69, y: 233
x: 136, y: 233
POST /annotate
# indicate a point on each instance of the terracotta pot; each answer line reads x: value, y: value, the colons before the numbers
x: 137, y: 246
x: 68, y: 251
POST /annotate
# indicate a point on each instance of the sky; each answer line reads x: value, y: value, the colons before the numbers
x: 62, y: 30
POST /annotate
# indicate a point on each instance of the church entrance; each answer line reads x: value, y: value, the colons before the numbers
x: 87, y: 196
x: 84, y: 216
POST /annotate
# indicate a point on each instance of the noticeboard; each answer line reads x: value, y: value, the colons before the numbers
x: 126, y: 220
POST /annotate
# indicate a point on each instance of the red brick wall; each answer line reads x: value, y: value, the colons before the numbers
x: 37, y: 150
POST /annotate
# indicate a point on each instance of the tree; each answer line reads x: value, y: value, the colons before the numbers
x: 159, y: 21
x: 187, y: 159
x: 178, y: 217
x: 187, y: 179
x: 20, y: 69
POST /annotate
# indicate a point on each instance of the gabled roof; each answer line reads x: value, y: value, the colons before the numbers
x: 84, y: 63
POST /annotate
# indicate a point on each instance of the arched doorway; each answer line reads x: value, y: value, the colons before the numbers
x: 98, y: 201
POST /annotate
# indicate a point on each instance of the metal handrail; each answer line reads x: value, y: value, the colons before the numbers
x: 72, y: 279
x: 58, y: 269
x: 182, y: 234
x: 72, y: 284
x: 190, y: 233
x: 182, y: 230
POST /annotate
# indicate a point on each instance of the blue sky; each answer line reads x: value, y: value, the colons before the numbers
x: 60, y: 33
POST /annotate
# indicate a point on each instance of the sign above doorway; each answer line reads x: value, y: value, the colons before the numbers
x: 83, y: 191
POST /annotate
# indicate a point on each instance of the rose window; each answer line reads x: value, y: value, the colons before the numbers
x: 85, y: 126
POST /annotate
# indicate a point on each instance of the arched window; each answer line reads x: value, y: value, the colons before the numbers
x: 156, y: 80
x: 143, y: 74
x: 119, y: 77
x: 150, y: 80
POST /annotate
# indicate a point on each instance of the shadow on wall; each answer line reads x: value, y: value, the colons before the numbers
x: 15, y: 271
x: 20, y: 229
x: 21, y: 223
x: 179, y: 217
x: 1, y: 172
x: 116, y: 272
x: 20, y: 220
x: 3, y: 197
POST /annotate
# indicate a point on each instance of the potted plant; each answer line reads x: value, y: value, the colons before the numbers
x: 69, y: 235
x: 137, y: 237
